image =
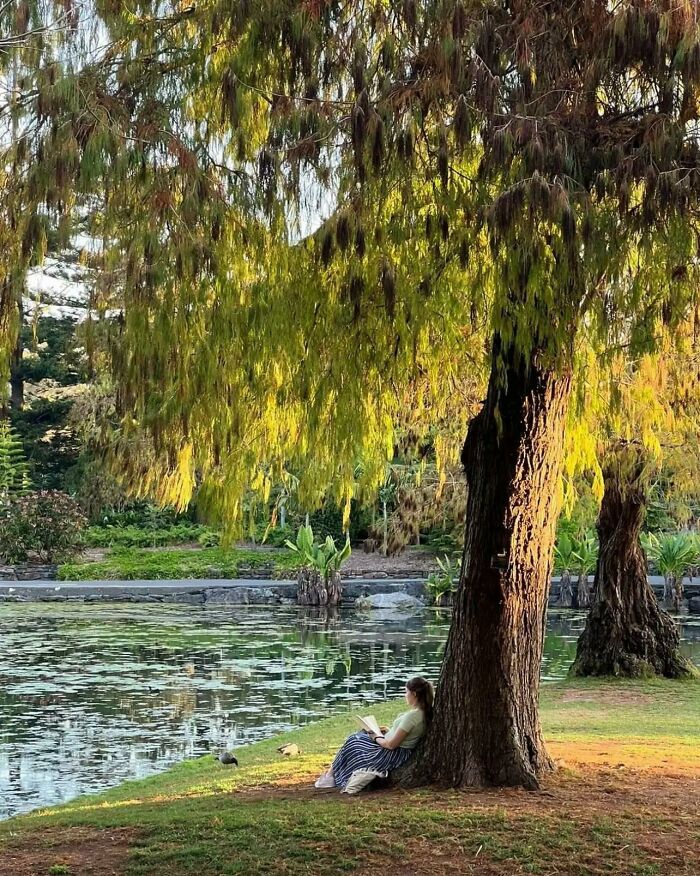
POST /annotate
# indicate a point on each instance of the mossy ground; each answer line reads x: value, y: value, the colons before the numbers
x: 624, y: 801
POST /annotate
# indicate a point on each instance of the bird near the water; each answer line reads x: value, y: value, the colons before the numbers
x: 290, y: 749
x: 228, y: 759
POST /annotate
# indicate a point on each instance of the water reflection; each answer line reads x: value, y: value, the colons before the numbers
x: 93, y: 695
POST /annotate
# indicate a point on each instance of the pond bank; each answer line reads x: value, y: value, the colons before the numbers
x: 243, y: 591
x: 196, y: 591
x: 618, y: 746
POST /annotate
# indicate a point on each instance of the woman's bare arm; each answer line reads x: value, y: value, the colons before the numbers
x: 393, y: 741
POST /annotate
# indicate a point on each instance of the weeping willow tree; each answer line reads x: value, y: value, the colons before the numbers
x: 646, y: 412
x: 304, y: 204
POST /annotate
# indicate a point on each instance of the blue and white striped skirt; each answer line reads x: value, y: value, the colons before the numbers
x: 359, y: 752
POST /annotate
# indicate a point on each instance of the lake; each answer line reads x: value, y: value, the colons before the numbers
x: 91, y: 695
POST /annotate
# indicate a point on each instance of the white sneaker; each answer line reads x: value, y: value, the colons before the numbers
x: 325, y: 781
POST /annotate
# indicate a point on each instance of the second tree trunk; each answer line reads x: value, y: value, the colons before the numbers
x: 627, y: 632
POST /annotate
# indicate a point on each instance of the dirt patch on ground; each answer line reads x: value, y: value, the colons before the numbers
x: 77, y: 851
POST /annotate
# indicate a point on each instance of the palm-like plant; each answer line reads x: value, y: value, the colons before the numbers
x: 673, y: 555
x: 441, y: 585
x: 563, y: 553
x: 563, y: 558
x: 585, y: 558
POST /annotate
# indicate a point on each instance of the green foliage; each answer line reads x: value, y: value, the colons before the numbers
x: 429, y: 134
x: 576, y: 555
x: 134, y: 536
x: 14, y: 470
x: 442, y: 541
x: 209, y: 538
x: 144, y: 515
x: 586, y: 553
x: 673, y: 555
x: 324, y: 557
x: 94, y: 486
x: 440, y: 584
x: 133, y: 564
x: 274, y: 536
x: 46, y: 525
x: 563, y: 553
x: 50, y: 447
x: 55, y: 352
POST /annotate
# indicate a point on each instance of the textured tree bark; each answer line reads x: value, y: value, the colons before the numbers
x: 566, y: 592
x: 16, y: 376
x: 673, y: 591
x: 486, y: 728
x: 583, y: 597
x: 313, y: 590
x: 627, y: 632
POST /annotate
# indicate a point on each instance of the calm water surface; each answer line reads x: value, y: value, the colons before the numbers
x: 93, y: 695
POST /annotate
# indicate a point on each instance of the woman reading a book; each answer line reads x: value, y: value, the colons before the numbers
x: 388, y: 749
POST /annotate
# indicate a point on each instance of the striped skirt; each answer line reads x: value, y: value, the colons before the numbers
x: 359, y: 752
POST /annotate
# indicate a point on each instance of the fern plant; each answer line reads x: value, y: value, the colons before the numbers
x: 14, y: 469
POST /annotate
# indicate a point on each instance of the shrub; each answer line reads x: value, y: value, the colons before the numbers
x: 576, y: 555
x: 136, y: 536
x: 144, y: 515
x: 443, y: 541
x: 47, y: 525
x: 209, y: 538
x: 564, y: 553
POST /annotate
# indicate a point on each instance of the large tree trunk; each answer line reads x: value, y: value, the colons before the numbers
x: 627, y: 633
x: 486, y: 728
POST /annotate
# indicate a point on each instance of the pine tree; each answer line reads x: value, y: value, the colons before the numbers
x: 532, y: 168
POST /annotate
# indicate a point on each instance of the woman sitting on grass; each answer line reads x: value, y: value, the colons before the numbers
x: 370, y: 751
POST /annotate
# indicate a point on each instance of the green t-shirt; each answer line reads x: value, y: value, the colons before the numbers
x: 413, y: 722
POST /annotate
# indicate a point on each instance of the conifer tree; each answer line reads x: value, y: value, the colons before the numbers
x: 530, y: 164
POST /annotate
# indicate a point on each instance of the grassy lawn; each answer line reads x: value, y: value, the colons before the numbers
x: 624, y: 801
x: 129, y: 564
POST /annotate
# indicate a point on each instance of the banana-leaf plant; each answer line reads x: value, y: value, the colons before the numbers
x: 325, y: 557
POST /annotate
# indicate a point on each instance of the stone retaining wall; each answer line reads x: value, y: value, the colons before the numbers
x: 29, y: 572
x: 248, y: 591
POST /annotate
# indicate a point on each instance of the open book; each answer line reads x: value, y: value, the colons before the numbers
x: 369, y: 723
